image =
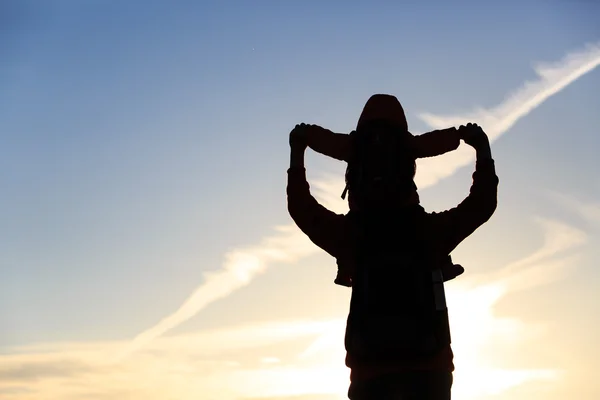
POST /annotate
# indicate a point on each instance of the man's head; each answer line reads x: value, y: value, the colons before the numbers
x: 382, y: 169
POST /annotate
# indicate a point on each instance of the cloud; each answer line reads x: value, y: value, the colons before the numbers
x: 241, y: 266
x: 299, y: 397
x: 482, y: 339
x: 209, y: 364
x: 41, y: 370
x: 560, y: 240
x: 587, y: 210
x: 552, y: 78
x: 218, y: 363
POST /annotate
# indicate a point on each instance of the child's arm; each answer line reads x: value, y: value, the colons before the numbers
x: 331, y: 144
x: 436, y: 143
x: 339, y: 145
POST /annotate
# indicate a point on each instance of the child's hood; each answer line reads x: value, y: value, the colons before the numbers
x: 383, y: 106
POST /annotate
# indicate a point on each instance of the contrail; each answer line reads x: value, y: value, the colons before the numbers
x: 239, y: 268
x: 242, y: 265
x: 553, y: 77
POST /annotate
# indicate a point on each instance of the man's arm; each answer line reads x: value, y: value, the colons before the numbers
x: 322, y: 226
x: 456, y: 224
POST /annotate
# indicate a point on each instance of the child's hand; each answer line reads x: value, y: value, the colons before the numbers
x: 436, y: 142
x: 474, y: 136
x: 451, y: 271
x: 314, y: 133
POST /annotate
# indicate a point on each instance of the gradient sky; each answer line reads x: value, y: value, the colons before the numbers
x: 145, y: 246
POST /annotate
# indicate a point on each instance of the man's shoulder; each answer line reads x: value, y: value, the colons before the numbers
x: 433, y: 219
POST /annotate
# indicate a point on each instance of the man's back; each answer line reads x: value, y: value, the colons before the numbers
x: 397, y: 313
x: 439, y: 234
x: 332, y: 232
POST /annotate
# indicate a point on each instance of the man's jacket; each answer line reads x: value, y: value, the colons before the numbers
x: 337, y: 235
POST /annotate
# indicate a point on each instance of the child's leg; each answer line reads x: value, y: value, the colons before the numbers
x: 331, y: 144
x: 436, y: 143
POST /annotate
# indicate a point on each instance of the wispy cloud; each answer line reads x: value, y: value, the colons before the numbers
x: 211, y: 364
x: 589, y: 211
x: 552, y: 78
x: 481, y: 337
x: 559, y: 242
x: 241, y: 266
x: 254, y: 362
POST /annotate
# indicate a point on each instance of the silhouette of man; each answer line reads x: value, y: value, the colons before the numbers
x: 397, y: 335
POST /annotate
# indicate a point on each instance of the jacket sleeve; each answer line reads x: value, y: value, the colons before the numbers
x: 436, y: 143
x: 454, y: 225
x: 323, y: 227
x: 331, y: 144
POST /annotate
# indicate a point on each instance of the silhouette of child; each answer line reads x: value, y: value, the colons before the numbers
x: 387, y: 109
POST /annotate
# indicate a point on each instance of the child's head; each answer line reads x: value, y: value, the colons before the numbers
x: 381, y: 171
x: 383, y: 107
x: 382, y: 115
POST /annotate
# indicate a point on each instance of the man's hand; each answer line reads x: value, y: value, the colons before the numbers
x: 298, y: 145
x: 299, y: 137
x: 474, y: 136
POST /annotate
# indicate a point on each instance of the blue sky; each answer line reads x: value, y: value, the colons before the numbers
x: 144, y: 143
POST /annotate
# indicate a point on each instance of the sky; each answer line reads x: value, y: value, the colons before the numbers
x: 146, y: 250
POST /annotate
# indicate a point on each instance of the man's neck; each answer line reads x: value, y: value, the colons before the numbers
x: 394, y: 204
x: 413, y: 199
